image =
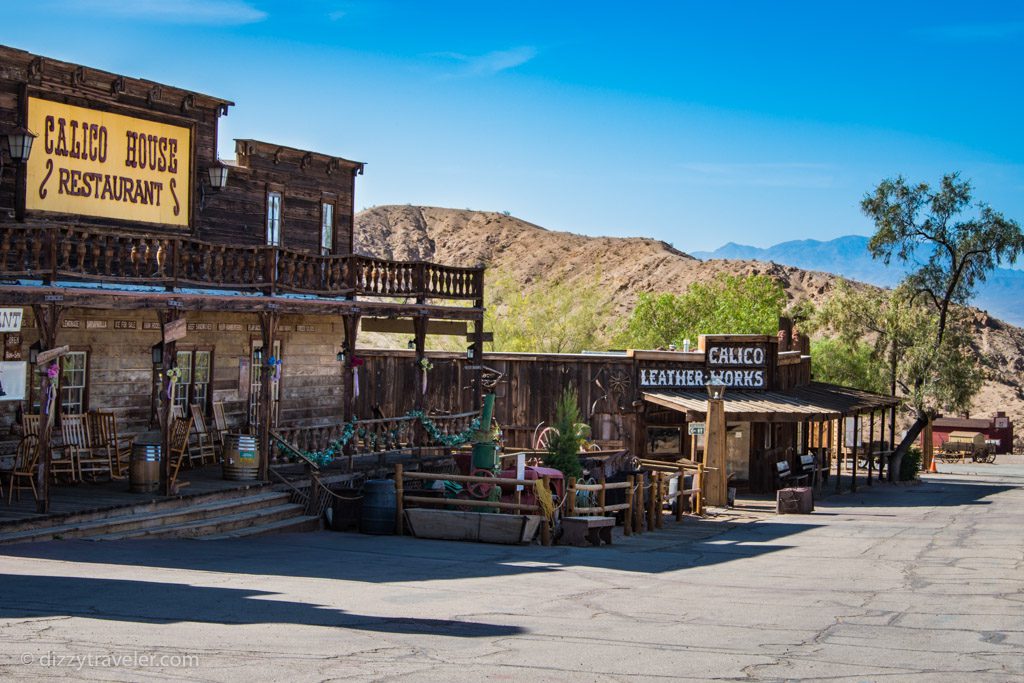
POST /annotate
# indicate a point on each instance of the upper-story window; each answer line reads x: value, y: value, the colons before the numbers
x: 326, y: 229
x: 274, y: 219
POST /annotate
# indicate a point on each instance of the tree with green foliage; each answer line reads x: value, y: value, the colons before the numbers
x: 552, y: 317
x: 849, y: 364
x: 728, y: 304
x: 953, y: 244
x: 564, y: 446
x: 899, y: 331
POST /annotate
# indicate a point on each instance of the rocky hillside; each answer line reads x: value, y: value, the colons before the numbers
x: 628, y: 266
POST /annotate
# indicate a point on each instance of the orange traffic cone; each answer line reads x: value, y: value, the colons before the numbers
x: 932, y: 469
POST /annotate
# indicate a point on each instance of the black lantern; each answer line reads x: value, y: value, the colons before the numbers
x: 157, y: 352
x: 19, y: 143
x: 218, y: 172
x: 257, y: 355
x: 471, y: 352
x: 340, y: 357
x: 411, y: 344
x: 33, y: 352
x: 716, y: 390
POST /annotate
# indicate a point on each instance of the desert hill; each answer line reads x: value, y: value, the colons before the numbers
x: 627, y: 266
x: 849, y: 256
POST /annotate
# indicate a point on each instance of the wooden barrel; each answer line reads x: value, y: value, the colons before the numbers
x: 379, y: 507
x: 241, y: 458
x: 144, y: 468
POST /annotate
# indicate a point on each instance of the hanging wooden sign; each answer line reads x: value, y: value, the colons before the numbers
x: 48, y: 355
x: 175, y: 330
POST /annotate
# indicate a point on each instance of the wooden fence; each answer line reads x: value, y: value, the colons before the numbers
x: 517, y: 506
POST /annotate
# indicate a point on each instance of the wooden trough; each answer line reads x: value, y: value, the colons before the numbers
x: 486, y: 527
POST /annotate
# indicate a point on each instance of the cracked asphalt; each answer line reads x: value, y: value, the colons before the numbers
x: 902, y: 583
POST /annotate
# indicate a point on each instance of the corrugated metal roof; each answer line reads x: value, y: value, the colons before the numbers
x: 811, y: 402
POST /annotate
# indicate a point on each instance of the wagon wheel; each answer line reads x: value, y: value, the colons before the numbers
x: 543, y: 439
x: 479, y: 490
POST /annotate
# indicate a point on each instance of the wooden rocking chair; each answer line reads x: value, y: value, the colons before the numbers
x: 205, y: 447
x: 178, y: 446
x: 220, y: 423
x: 25, y: 464
x: 103, y: 430
x: 78, y: 446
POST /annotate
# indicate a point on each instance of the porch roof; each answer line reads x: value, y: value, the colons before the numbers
x: 815, y: 401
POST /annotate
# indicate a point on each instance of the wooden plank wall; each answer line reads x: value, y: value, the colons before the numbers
x: 526, y: 394
x: 120, y: 365
x: 235, y: 215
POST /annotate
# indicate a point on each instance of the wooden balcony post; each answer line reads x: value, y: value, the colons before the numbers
x: 173, y: 271
x: 419, y: 324
x: 166, y: 404
x: 420, y: 282
x: 350, y: 322
x: 268, y: 331
x: 47, y: 322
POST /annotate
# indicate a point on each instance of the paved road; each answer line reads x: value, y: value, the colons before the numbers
x: 892, y: 583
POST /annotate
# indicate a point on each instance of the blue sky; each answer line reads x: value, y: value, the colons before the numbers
x: 697, y: 123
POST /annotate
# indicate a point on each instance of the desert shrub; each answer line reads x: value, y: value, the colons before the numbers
x: 564, y: 447
x: 910, y: 465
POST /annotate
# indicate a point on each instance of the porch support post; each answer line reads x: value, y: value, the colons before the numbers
x: 881, y: 439
x: 351, y: 324
x: 714, y: 451
x: 47, y: 322
x: 168, y: 353
x: 268, y: 330
x: 853, y: 451
x: 871, y: 445
x: 419, y: 325
x: 840, y: 438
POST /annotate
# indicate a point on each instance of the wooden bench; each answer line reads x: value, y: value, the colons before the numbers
x: 584, y: 531
x: 786, y: 477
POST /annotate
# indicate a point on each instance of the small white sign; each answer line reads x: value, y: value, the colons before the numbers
x: 12, y: 380
x: 10, y: 319
x: 695, y: 428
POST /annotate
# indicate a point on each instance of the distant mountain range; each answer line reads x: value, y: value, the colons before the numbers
x: 848, y: 256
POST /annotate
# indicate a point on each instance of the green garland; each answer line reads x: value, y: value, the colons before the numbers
x: 349, y: 429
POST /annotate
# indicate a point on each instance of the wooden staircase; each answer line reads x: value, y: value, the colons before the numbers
x: 254, y: 511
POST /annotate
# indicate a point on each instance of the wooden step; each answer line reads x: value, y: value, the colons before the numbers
x: 212, y: 525
x: 128, y: 521
x: 301, y: 523
x: 143, y: 507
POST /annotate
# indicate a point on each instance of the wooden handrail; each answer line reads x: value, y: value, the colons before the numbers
x: 95, y: 254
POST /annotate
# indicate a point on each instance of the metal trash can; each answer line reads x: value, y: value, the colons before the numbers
x: 144, y: 466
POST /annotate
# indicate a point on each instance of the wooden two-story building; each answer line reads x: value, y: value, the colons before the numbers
x: 121, y: 219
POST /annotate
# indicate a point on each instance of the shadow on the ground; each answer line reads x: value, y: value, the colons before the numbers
x: 155, y: 603
x: 387, y: 559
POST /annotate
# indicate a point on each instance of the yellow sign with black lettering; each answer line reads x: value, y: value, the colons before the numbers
x: 103, y: 164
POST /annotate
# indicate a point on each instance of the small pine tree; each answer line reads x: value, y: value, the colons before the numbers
x: 564, y: 448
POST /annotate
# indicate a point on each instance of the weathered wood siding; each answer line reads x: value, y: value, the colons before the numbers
x: 235, y: 215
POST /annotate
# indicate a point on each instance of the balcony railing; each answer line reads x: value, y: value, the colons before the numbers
x: 93, y: 255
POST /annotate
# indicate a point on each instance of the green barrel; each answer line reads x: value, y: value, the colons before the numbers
x: 379, y: 507
x: 485, y: 456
